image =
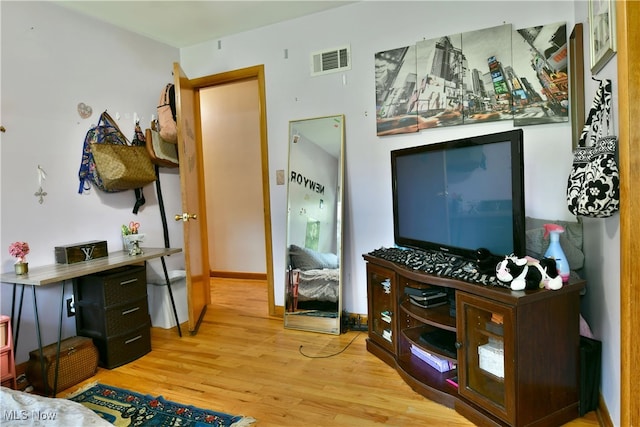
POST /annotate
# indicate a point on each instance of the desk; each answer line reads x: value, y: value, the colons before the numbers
x: 59, y: 273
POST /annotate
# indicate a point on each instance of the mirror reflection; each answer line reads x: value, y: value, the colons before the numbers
x: 314, y: 225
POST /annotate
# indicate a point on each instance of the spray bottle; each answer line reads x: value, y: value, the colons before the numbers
x: 555, y: 250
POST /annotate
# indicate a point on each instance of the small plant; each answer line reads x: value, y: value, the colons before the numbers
x: 19, y: 250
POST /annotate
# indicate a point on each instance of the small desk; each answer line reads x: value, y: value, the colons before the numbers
x: 59, y: 273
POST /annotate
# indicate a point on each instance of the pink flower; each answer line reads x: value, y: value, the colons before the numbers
x: 19, y: 250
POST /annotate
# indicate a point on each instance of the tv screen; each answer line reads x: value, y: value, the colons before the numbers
x: 461, y: 195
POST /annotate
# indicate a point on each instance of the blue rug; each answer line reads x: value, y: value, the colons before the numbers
x: 122, y: 407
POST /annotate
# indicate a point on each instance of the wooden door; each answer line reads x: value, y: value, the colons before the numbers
x: 628, y: 57
x: 193, y: 215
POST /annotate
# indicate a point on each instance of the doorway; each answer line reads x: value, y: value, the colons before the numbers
x: 230, y: 123
x: 255, y: 76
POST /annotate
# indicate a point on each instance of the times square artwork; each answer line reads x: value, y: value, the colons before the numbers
x: 479, y: 76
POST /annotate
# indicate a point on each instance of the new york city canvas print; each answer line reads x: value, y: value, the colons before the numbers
x: 479, y: 76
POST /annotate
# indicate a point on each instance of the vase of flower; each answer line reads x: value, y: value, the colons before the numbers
x: 21, y: 268
x: 20, y: 250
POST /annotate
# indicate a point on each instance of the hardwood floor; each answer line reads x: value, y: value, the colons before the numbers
x: 244, y: 362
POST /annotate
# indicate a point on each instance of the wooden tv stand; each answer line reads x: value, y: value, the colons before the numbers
x: 517, y: 352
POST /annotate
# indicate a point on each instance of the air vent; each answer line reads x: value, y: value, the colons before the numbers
x: 331, y: 61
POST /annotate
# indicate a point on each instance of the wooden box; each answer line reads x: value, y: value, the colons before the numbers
x: 78, y: 361
x: 79, y: 252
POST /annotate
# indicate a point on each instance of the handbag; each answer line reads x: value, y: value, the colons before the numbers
x: 167, y: 125
x: 122, y: 167
x: 110, y: 163
x: 593, y: 187
x: 161, y: 152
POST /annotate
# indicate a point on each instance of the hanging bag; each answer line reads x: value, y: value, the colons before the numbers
x: 167, y: 114
x: 110, y: 163
x: 161, y: 152
x: 593, y: 187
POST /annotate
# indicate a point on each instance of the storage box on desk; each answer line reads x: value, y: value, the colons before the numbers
x: 78, y: 361
x: 79, y: 252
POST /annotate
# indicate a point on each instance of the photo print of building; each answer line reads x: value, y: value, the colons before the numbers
x: 395, y: 73
x: 479, y: 76
x: 540, y: 83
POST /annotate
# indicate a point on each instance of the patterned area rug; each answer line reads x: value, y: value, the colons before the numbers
x: 122, y: 407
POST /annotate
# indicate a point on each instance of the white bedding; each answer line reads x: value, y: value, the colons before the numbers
x: 24, y: 409
x: 318, y: 285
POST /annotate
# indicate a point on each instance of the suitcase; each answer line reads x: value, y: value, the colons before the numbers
x: 78, y: 361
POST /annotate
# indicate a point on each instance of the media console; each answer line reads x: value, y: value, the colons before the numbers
x: 515, y: 354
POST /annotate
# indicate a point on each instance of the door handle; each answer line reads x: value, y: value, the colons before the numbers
x: 185, y: 217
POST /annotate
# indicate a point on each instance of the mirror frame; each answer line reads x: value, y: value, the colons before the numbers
x: 292, y: 319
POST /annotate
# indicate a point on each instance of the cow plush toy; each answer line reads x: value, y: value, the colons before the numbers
x: 528, y: 273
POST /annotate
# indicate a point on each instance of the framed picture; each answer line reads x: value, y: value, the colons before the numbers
x: 602, y: 33
x: 576, y: 83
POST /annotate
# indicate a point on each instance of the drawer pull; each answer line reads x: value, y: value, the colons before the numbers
x: 130, y: 311
x: 126, y: 282
x: 133, y: 339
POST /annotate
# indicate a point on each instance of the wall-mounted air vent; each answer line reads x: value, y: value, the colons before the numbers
x: 331, y: 61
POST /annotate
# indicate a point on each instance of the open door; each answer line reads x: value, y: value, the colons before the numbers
x: 193, y: 214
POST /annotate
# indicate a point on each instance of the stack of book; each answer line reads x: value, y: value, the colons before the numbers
x: 426, y: 298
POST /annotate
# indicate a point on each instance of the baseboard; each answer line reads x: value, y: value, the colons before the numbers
x: 238, y: 275
x: 604, y: 418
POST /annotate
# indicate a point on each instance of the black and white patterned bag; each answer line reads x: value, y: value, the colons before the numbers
x: 593, y: 187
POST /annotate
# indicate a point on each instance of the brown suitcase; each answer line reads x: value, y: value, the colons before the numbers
x: 78, y: 361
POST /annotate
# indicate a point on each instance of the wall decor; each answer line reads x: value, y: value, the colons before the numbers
x: 486, y: 75
x: 576, y: 83
x: 488, y: 62
x: 440, y: 70
x: 395, y: 74
x: 602, y: 34
x: 539, y: 80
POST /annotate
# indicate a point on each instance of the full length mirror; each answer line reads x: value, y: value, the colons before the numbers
x: 313, y: 282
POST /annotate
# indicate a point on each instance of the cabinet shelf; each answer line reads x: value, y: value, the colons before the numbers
x: 426, y: 374
x: 436, y: 316
x: 412, y: 335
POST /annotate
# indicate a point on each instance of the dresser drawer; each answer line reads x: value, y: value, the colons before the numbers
x: 112, y: 287
x: 115, y: 320
x: 121, y: 349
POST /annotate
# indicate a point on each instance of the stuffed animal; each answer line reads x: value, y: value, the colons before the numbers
x: 529, y: 273
x: 486, y: 261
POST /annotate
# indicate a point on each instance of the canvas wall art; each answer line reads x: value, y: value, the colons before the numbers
x: 479, y: 76
x: 487, y: 55
x: 539, y: 79
x: 395, y: 74
x: 441, y: 75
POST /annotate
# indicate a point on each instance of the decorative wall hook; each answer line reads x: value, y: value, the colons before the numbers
x: 42, y: 175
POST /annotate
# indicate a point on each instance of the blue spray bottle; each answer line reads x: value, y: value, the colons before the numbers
x: 555, y: 250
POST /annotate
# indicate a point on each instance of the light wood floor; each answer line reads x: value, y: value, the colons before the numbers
x: 244, y: 362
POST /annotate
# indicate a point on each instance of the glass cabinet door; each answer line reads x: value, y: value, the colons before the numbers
x: 486, y: 356
x: 381, y: 307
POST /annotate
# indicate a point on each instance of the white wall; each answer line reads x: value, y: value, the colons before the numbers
x: 53, y: 59
x: 370, y: 27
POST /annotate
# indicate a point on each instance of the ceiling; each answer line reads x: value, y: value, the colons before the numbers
x: 181, y: 23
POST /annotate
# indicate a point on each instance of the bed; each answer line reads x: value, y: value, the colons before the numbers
x: 313, y: 280
x: 25, y: 409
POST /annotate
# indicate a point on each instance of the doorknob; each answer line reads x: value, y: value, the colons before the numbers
x: 185, y: 217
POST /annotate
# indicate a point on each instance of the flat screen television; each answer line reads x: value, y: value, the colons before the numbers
x: 461, y: 195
